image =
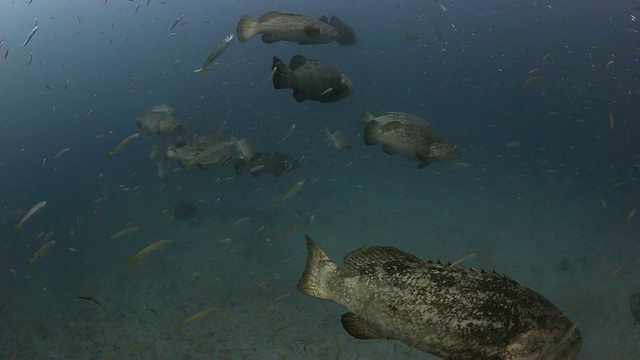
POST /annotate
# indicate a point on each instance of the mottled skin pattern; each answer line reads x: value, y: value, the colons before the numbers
x: 311, y: 79
x: 386, y: 117
x: 275, y: 26
x: 160, y: 123
x: 411, y: 141
x: 163, y: 108
x: 449, y: 312
x: 187, y: 152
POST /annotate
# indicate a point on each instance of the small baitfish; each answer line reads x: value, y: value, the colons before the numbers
x: 215, y: 53
x: 122, y: 144
x: 155, y: 246
x: 289, y: 194
x: 41, y: 251
x: 37, y: 207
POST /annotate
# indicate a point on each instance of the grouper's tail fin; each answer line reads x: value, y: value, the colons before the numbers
x: 365, y: 118
x: 372, y: 133
x: 320, y: 269
x: 247, y: 28
x: 280, y: 74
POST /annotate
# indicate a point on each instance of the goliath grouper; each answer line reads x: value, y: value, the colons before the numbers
x: 311, y: 80
x: 276, y: 26
x: 447, y: 311
x: 421, y: 143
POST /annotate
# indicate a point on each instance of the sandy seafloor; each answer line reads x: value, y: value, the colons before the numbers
x: 519, y: 217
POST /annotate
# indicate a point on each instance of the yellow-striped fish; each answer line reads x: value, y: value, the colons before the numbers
x: 289, y: 194
x: 122, y: 144
x: 31, y: 212
x: 288, y: 230
x: 126, y: 231
x: 239, y: 222
x: 156, y: 245
x: 612, y: 121
x: 468, y: 256
x: 631, y: 214
x: 194, y: 317
x: 216, y: 136
x: 61, y: 152
x: 141, y: 349
x: 223, y: 240
x: 461, y: 165
x: 530, y: 81
x: 570, y: 309
x: 412, y: 36
x: 616, y: 270
x: 43, y: 250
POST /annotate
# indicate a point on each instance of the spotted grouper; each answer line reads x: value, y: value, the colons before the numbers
x: 311, y: 80
x: 416, y: 142
x: 276, y: 26
x: 447, y: 311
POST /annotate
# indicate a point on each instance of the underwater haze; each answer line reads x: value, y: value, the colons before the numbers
x: 541, y: 98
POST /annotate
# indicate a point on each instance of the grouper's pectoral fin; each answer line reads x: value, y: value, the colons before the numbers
x: 389, y: 149
x: 311, y: 31
x: 358, y: 327
x: 269, y: 38
x: 299, y: 95
x: 423, y: 161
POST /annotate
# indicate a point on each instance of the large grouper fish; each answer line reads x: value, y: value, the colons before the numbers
x: 408, y: 135
x: 276, y: 26
x: 445, y: 310
x: 311, y: 80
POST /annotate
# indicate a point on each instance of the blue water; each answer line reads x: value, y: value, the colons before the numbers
x: 563, y: 196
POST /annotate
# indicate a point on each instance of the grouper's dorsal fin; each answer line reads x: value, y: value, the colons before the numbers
x: 377, y: 255
x: 270, y: 16
x: 297, y: 61
x: 358, y: 327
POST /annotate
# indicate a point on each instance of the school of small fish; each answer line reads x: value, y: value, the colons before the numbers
x: 376, y: 283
